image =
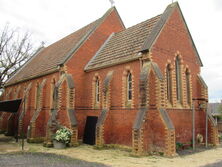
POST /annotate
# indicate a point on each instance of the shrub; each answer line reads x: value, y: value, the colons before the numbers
x: 220, y: 137
x: 179, y: 146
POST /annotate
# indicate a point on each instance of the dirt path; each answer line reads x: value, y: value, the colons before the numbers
x: 119, y: 158
x: 8, y: 144
x: 29, y: 159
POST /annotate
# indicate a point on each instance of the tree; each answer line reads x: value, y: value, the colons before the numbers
x: 15, y: 50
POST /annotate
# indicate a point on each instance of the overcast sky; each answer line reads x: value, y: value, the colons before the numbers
x: 50, y: 20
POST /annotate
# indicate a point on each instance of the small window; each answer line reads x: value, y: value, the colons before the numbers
x: 129, y: 86
x: 169, y: 83
x: 178, y: 80
x: 53, y: 101
x: 188, y: 86
x: 97, y: 90
x: 37, y: 100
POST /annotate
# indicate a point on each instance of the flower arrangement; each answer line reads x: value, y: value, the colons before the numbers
x: 63, y: 135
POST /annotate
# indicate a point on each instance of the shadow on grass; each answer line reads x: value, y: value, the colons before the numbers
x: 216, y: 164
x: 198, y: 149
x: 23, y: 159
x: 4, y: 138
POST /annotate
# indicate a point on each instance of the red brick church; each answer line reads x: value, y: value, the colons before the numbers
x: 114, y: 85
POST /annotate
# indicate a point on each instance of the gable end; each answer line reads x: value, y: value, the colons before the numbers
x: 99, y: 22
x: 159, y: 26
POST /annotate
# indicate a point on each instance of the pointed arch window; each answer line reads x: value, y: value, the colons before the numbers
x: 129, y: 86
x: 53, y: 96
x: 178, y: 79
x: 97, y: 90
x: 169, y: 83
x: 187, y: 73
x: 37, y: 97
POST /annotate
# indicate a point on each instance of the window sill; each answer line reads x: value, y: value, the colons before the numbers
x: 128, y: 104
x: 96, y: 106
x: 179, y: 105
x: 169, y: 104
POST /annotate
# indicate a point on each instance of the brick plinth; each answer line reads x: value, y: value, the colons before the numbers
x: 74, y: 137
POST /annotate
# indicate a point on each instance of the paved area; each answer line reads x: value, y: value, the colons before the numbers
x: 24, y: 159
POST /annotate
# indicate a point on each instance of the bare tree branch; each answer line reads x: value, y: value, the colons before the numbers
x: 15, y: 50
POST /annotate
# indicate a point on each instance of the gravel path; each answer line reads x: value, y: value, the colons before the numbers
x: 42, y: 160
x: 87, y: 156
x: 216, y: 164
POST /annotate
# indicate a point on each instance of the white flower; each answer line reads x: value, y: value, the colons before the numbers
x: 63, y: 135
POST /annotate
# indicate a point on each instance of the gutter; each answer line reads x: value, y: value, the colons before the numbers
x: 32, y: 57
x: 33, y: 77
x: 112, y: 64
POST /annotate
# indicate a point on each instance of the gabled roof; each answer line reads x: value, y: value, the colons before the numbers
x: 48, y: 59
x: 126, y: 45
x: 122, y: 46
x: 157, y: 29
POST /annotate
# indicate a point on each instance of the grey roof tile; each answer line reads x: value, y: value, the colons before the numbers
x: 123, y: 46
x: 50, y: 57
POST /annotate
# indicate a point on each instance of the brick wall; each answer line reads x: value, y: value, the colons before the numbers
x: 84, y: 81
x: 174, y: 40
x: 154, y: 132
x: 119, y: 119
x: 30, y: 102
x: 75, y: 65
x: 118, y: 126
x: 182, y: 120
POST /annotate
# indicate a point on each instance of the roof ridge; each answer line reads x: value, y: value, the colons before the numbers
x: 32, y: 57
x: 77, y: 45
x: 82, y: 27
x: 138, y: 24
x: 97, y: 20
x: 83, y: 39
x: 191, y: 38
x: 158, y: 27
x: 97, y: 53
x: 75, y: 39
x: 72, y: 33
x: 110, y: 10
x: 104, y: 57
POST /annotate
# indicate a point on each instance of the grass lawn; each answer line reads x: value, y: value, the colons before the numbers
x: 116, y: 157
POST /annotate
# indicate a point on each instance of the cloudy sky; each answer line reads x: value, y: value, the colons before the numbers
x: 50, y: 20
